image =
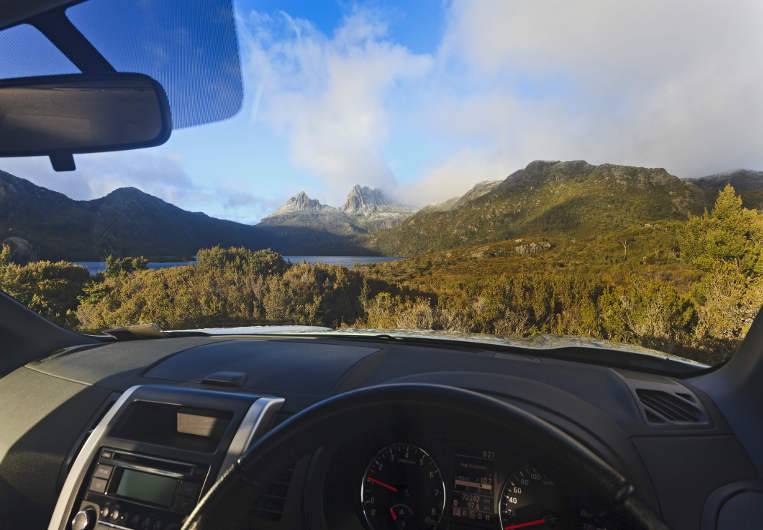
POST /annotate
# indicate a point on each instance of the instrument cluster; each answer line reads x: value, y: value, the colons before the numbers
x: 448, y: 485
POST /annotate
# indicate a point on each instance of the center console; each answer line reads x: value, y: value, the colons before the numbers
x: 153, y: 455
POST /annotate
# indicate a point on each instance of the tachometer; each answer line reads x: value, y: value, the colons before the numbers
x: 402, y: 489
x: 530, y: 499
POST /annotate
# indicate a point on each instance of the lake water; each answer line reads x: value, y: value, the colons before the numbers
x: 94, y: 267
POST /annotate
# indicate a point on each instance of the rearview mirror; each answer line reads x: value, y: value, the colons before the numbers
x: 58, y: 116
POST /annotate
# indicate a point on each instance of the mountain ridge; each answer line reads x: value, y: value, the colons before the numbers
x: 130, y: 222
x: 571, y: 197
x: 560, y: 198
x: 365, y: 210
x: 748, y: 183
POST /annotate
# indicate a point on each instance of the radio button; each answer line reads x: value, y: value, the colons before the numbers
x: 103, y: 471
x: 105, y: 511
x: 98, y: 484
x: 115, y: 513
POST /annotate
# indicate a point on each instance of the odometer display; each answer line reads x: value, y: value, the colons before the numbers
x: 530, y: 499
x: 402, y: 489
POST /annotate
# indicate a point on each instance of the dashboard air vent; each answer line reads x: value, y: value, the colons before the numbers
x: 662, y: 406
x: 270, y: 506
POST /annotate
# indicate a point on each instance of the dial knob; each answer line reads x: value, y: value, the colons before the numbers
x: 84, y: 520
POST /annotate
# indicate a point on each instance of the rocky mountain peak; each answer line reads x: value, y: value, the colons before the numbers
x: 363, y: 200
x: 300, y: 202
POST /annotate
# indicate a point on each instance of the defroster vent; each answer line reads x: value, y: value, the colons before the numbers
x: 666, y: 407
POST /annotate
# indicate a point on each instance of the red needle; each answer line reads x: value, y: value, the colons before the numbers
x: 392, y: 513
x: 534, y: 522
x: 378, y: 482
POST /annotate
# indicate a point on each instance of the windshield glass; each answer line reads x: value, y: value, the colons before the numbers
x: 520, y: 170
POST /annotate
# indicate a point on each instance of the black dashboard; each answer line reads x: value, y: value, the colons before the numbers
x: 395, y: 470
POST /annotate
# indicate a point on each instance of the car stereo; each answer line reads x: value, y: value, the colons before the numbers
x: 154, y: 453
x: 141, y: 492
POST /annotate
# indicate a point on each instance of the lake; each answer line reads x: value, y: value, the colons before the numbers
x: 94, y: 267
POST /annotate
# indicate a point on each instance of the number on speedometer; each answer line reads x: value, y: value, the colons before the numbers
x: 402, y: 489
x: 530, y: 500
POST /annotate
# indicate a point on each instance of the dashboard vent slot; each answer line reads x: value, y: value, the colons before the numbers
x: 270, y: 506
x: 661, y: 406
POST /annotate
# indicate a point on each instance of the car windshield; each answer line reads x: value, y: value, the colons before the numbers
x: 549, y: 172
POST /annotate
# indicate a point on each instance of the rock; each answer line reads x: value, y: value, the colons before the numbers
x: 365, y: 209
x: 530, y: 249
x: 22, y: 251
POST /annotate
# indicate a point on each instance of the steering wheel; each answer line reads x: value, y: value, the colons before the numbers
x: 226, y: 504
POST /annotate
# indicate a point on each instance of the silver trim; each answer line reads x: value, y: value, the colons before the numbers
x: 153, y: 471
x: 147, y: 457
x: 110, y: 525
x: 256, y: 419
x: 65, y: 503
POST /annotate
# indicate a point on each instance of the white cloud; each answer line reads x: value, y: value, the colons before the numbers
x: 654, y: 83
x: 669, y: 84
x: 327, y: 94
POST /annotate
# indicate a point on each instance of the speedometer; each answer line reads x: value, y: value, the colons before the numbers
x: 530, y: 499
x: 402, y: 489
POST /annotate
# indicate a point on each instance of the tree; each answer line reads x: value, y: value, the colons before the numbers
x: 116, y: 266
x: 729, y: 234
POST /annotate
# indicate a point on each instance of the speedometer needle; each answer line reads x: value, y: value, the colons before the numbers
x: 378, y: 482
x: 534, y: 522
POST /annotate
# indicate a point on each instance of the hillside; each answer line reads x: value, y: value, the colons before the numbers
x: 129, y: 222
x: 124, y: 222
x: 572, y: 199
x: 365, y: 210
x: 749, y: 184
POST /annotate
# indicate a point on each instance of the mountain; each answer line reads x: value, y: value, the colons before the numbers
x: 365, y: 210
x: 124, y: 222
x: 573, y: 198
x: 373, y: 210
x: 301, y: 203
x: 129, y: 222
x: 479, y: 189
x: 747, y: 183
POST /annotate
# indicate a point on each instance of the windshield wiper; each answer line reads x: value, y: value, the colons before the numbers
x: 145, y: 331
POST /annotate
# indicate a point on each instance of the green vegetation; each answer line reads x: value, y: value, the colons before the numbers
x: 574, y: 199
x: 690, y: 287
x: 49, y: 288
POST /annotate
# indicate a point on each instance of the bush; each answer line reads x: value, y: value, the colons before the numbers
x: 51, y: 289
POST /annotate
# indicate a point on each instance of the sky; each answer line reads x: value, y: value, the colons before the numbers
x: 424, y: 99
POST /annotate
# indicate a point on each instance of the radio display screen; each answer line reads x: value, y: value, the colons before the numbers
x: 147, y: 487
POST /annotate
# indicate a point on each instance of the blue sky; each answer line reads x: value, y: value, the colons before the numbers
x: 426, y: 98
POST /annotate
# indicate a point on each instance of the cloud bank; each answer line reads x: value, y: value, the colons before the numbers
x: 653, y: 83
x: 326, y: 94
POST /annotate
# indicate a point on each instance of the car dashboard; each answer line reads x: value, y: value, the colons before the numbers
x: 132, y: 434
